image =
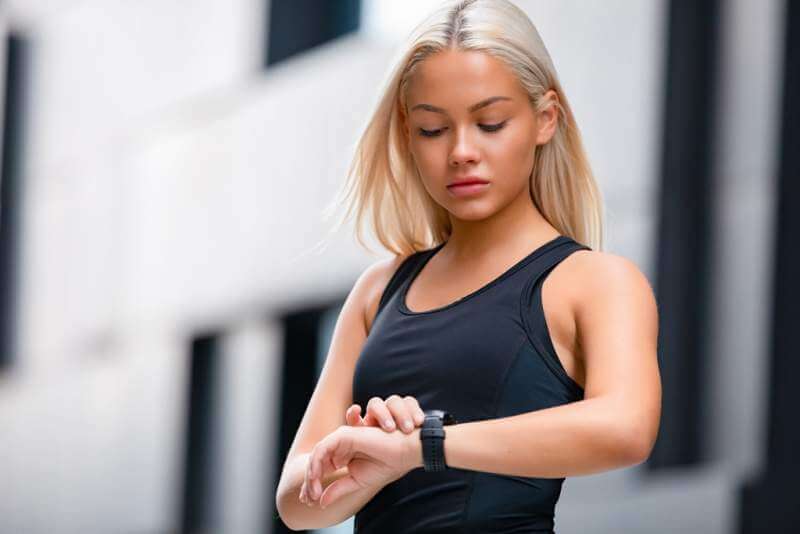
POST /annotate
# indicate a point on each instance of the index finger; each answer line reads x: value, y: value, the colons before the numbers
x: 415, y: 409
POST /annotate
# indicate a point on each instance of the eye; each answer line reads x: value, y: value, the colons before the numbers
x: 485, y: 127
x: 492, y: 127
x: 430, y: 133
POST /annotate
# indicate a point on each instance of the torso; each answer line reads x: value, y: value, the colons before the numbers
x: 434, y: 288
x: 483, y: 345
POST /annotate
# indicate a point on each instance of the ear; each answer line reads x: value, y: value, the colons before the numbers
x: 547, y: 118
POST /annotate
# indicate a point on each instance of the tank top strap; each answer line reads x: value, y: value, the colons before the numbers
x: 532, y: 311
x: 407, y: 267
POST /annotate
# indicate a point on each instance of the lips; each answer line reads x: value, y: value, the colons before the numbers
x: 467, y: 181
x: 468, y: 188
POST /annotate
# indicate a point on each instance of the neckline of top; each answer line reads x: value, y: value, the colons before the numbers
x: 401, y: 302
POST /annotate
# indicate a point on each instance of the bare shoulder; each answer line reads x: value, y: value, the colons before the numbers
x: 605, y: 271
x: 597, y: 281
x: 373, y: 282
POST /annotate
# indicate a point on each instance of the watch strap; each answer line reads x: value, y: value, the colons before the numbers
x: 432, y: 436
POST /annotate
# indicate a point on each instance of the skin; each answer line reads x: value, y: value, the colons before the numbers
x: 600, y: 309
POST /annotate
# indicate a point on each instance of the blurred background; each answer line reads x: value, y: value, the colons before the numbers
x: 164, y: 311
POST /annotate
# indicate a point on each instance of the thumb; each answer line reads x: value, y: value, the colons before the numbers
x: 337, y: 489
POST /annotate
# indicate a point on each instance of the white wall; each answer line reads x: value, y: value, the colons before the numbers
x: 93, y: 412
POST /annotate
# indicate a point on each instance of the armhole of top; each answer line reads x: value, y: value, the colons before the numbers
x: 536, y: 323
x: 394, y: 283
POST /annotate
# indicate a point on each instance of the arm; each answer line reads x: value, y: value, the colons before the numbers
x: 616, y: 423
x: 329, y: 401
x: 299, y: 516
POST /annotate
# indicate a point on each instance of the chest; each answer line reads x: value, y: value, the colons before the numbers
x: 435, y: 291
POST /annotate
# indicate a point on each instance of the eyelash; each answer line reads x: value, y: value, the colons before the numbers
x: 489, y: 128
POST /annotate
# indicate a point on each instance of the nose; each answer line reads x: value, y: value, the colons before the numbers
x: 464, y: 150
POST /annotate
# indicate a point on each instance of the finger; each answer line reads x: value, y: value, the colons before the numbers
x: 339, y: 458
x: 416, y: 410
x: 317, y: 489
x: 401, y: 412
x: 370, y: 420
x: 320, y: 466
x: 353, y: 416
x: 303, y: 495
x: 312, y: 470
x: 306, y: 473
x: 338, y: 489
x: 377, y: 408
x: 349, y: 415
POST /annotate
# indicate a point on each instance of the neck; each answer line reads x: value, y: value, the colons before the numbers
x: 517, y: 227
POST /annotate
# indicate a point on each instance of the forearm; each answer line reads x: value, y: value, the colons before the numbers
x: 299, y: 516
x: 578, y: 438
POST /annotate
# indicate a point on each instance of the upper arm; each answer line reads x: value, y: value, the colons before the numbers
x: 332, y: 394
x: 616, y: 318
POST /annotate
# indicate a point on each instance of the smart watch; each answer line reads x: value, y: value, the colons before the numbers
x: 431, y: 435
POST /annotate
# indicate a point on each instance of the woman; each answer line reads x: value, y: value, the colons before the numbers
x: 496, y: 309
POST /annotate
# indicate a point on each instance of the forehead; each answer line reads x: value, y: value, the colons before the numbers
x: 460, y: 78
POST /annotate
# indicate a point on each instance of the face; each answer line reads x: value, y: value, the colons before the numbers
x: 468, y: 117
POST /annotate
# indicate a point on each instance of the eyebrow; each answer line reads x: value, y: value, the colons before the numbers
x: 472, y: 108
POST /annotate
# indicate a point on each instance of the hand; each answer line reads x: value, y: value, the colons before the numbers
x: 373, y: 458
x: 383, y: 414
x: 395, y: 411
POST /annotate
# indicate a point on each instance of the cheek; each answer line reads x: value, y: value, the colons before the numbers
x: 426, y: 161
x: 511, y: 157
x: 519, y: 140
x: 430, y: 159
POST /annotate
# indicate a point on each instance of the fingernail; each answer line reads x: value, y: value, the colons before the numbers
x: 407, y: 425
x: 388, y: 423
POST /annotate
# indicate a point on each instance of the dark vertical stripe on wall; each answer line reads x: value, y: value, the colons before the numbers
x: 684, y: 226
x: 299, y: 25
x: 770, y: 503
x: 11, y: 191
x: 198, y: 485
x: 301, y: 343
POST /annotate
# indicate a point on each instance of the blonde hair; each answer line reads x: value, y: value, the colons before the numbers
x: 383, y: 180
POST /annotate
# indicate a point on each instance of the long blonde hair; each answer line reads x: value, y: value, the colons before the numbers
x: 383, y: 180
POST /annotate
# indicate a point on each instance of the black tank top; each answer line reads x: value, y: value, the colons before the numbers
x: 484, y: 356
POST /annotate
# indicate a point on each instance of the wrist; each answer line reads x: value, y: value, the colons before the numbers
x: 413, y: 448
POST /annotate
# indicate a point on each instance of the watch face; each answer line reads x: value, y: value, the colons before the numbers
x: 446, y: 417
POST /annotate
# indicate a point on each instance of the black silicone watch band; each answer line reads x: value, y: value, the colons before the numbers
x: 432, y: 435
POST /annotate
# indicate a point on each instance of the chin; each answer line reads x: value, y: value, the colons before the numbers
x: 474, y: 212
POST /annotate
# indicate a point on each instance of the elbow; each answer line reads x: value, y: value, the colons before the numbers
x: 636, y: 454
x: 280, y: 507
x: 636, y: 445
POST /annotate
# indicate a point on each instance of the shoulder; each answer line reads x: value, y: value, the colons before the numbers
x: 599, y: 281
x: 597, y: 269
x: 373, y: 281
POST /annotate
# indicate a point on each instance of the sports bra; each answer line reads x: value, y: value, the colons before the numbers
x: 487, y: 355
